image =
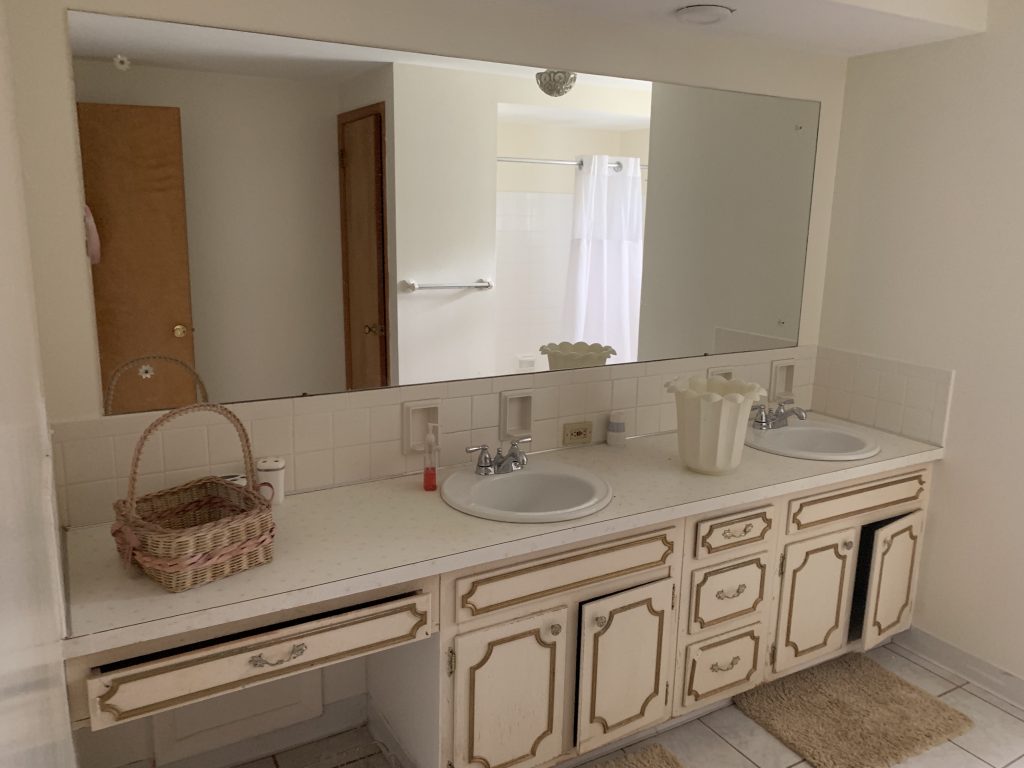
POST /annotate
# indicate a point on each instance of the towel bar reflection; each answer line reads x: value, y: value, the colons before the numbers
x: 414, y: 285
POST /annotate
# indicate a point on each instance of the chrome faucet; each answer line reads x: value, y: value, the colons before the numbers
x: 500, y: 463
x: 775, y: 418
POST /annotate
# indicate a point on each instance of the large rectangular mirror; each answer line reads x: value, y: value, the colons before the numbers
x: 272, y: 217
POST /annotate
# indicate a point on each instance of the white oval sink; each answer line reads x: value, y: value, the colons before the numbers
x: 821, y: 442
x: 543, y: 494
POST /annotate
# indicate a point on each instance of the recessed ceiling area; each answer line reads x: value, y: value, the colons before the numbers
x: 843, y: 27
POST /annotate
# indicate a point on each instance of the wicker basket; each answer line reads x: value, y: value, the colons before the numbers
x: 198, y: 532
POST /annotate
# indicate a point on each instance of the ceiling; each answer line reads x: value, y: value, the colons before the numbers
x: 843, y: 27
x: 184, y: 46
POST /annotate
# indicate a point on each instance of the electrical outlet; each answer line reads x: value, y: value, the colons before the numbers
x: 577, y: 433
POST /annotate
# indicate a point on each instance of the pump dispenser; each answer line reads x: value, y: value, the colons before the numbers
x: 430, y: 458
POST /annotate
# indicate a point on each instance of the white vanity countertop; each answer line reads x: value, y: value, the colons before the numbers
x: 356, y: 538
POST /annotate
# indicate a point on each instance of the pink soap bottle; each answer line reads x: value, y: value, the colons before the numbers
x: 430, y: 460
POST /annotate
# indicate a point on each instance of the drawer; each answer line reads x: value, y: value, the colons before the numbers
x: 484, y: 593
x: 733, y: 531
x: 841, y: 503
x: 122, y: 692
x: 726, y: 592
x: 722, y: 666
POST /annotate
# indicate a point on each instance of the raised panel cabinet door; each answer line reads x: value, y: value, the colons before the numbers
x: 814, y: 604
x: 509, y: 692
x: 893, y: 579
x: 624, y: 663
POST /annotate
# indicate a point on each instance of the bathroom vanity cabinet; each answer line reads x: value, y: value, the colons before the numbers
x: 564, y: 650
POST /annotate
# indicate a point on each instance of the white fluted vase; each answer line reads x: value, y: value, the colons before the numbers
x: 712, y: 417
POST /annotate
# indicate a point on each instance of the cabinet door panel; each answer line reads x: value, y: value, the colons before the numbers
x: 814, y: 605
x: 510, y: 692
x: 893, y: 578
x: 624, y: 663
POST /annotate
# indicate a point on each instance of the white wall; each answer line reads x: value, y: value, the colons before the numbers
x: 33, y: 714
x: 728, y: 201
x: 507, y: 32
x: 925, y: 266
x: 261, y: 193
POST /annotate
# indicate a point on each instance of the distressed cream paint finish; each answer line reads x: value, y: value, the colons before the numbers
x: 510, y: 32
x: 925, y: 266
x: 34, y: 729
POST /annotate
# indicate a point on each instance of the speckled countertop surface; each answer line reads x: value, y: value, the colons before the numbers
x: 360, y: 537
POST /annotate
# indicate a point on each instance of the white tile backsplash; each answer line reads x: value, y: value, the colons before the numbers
x: 911, y: 400
x: 354, y: 437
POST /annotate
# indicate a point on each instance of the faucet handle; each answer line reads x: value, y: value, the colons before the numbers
x: 484, y: 464
x: 519, y: 441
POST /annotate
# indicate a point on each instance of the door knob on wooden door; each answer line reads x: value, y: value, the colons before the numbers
x: 375, y: 329
x: 179, y: 331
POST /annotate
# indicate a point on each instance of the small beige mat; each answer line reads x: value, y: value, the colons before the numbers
x: 851, y: 713
x: 651, y: 756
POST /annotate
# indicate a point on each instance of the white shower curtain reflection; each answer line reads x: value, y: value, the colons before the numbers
x: 606, y: 258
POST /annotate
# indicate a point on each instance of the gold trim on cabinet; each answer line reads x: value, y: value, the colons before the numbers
x: 476, y: 610
x: 909, y: 530
x: 553, y: 647
x: 839, y: 598
x: 660, y: 615
x: 698, y: 591
x: 705, y: 541
x: 753, y: 635
x: 103, y: 701
x: 805, y: 505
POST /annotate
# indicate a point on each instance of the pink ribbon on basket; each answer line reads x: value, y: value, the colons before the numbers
x: 178, y: 564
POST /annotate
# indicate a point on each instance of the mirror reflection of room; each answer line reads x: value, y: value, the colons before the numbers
x: 264, y: 208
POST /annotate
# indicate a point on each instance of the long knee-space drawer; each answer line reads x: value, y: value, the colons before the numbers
x: 125, y: 691
x: 841, y: 503
x: 484, y: 593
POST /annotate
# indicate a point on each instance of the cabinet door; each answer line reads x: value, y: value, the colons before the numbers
x: 624, y: 663
x: 893, y: 578
x: 509, y: 693
x: 814, y: 605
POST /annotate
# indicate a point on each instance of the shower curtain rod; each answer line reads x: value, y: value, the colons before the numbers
x: 538, y: 161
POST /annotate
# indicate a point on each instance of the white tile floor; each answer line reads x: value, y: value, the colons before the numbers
x: 728, y: 739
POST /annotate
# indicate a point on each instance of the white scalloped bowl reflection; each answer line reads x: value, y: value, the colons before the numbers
x: 545, y: 494
x: 819, y: 442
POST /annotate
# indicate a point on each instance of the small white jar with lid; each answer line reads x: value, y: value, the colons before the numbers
x: 270, y: 470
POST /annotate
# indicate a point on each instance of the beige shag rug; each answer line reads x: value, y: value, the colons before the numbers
x: 851, y: 713
x: 651, y: 756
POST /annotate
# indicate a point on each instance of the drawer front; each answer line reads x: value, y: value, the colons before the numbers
x: 490, y: 591
x: 722, y: 666
x: 730, y: 532
x: 140, y: 690
x: 727, y: 592
x: 842, y: 503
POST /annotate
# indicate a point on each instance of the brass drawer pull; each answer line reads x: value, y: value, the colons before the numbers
x: 728, y: 534
x: 297, y: 650
x: 723, y: 595
x: 716, y: 667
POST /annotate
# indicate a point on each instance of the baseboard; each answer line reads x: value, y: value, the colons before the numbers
x: 381, y: 730
x: 982, y: 673
x: 337, y: 717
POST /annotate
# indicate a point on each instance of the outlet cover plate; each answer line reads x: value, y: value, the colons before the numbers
x: 577, y: 433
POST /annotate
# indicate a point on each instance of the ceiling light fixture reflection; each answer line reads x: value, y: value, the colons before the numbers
x: 704, y: 13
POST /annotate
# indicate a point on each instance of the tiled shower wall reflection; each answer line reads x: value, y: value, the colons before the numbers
x: 332, y: 440
x: 534, y: 234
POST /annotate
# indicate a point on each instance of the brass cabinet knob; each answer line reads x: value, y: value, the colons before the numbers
x: 556, y: 629
x: 601, y: 620
x: 847, y: 545
x: 179, y: 331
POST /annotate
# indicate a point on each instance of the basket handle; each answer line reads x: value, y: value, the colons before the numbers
x: 108, y: 398
x: 243, y: 437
